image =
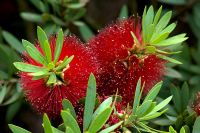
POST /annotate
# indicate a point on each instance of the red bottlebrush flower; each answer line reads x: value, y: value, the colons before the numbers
x: 121, y: 68
x: 196, y: 104
x: 70, y: 82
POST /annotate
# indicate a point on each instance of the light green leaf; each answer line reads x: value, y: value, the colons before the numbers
x: 69, y: 130
x: 69, y: 121
x: 65, y: 62
x: 152, y: 116
x: 124, y: 12
x: 27, y: 67
x: 172, y: 40
x: 68, y: 105
x: 33, y: 52
x: 52, y: 79
x: 76, y: 5
x: 169, y: 59
x: 182, y: 130
x: 105, y: 104
x: 157, y: 16
x: 135, y: 38
x: 137, y: 96
x: 44, y: 43
x: 171, y: 130
x: 111, y: 128
x: 154, y: 92
x: 89, y: 102
x: 47, y: 124
x: 161, y: 105
x: 85, y: 32
x: 13, y: 41
x: 16, y: 129
x: 141, y: 110
x: 33, y: 17
x: 196, y: 127
x: 100, y: 120
x: 59, y: 45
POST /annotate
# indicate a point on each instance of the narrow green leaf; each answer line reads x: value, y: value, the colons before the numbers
x: 152, y: 116
x: 13, y: 41
x: 135, y: 38
x: 171, y: 130
x: 182, y: 130
x: 27, y: 67
x: 44, y: 43
x: 166, y: 52
x: 69, y: 130
x: 172, y: 40
x: 100, y: 120
x: 105, y: 104
x: 141, y: 110
x: 89, y: 102
x: 159, y: 37
x: 157, y: 16
x: 16, y: 129
x: 123, y: 12
x: 169, y: 59
x: 196, y: 127
x: 69, y: 121
x: 33, y: 52
x: 151, y: 49
x: 154, y: 92
x: 85, y: 32
x: 52, y: 79
x: 186, y: 93
x: 40, y: 73
x: 68, y: 105
x: 65, y: 62
x: 3, y: 91
x: 111, y: 128
x: 176, y: 98
x: 47, y: 124
x: 76, y: 5
x: 163, y: 21
x: 33, y: 17
x: 59, y: 45
x: 137, y: 96
x: 161, y: 105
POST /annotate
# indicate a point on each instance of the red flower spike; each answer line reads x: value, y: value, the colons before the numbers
x: 120, y: 68
x: 72, y: 83
x: 196, y: 104
x: 134, y: 48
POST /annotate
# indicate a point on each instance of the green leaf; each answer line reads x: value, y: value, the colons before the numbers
x: 176, y: 98
x: 161, y: 105
x: 154, y: 92
x: 44, y: 43
x: 12, y: 110
x: 13, y: 41
x: 141, y: 110
x: 169, y: 59
x: 185, y: 95
x: 100, y: 120
x: 16, y: 129
x: 174, y: 2
x: 65, y: 62
x: 59, y: 45
x: 171, y: 130
x: 157, y: 16
x: 135, y: 38
x: 68, y: 105
x: 196, y: 127
x: 52, y: 79
x: 76, y: 5
x: 111, y: 128
x: 137, y: 96
x: 172, y: 40
x: 27, y: 67
x: 85, y: 32
x: 89, y: 102
x: 33, y: 17
x: 69, y: 121
x: 105, y: 104
x: 33, y: 52
x: 123, y: 12
x: 47, y: 124
x: 152, y: 116
x: 3, y: 91
x: 182, y: 130
x: 69, y: 130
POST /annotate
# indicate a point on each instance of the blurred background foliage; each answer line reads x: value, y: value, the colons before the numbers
x: 85, y: 18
